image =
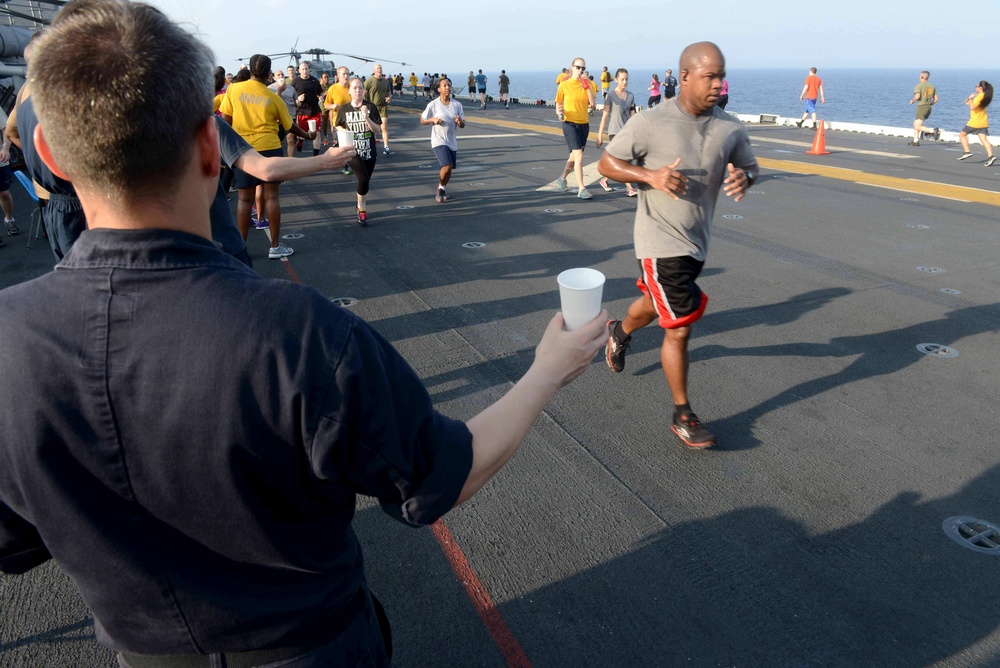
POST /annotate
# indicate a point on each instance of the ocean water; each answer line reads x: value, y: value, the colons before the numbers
x: 879, y: 96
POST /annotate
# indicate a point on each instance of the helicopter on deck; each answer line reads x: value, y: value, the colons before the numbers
x: 318, y: 65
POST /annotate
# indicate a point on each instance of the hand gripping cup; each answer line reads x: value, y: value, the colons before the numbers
x: 345, y: 137
x: 580, y: 292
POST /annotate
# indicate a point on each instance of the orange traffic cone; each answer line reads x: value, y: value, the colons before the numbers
x: 819, y: 144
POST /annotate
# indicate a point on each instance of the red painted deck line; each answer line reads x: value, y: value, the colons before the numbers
x: 290, y: 270
x: 497, y: 627
x: 481, y: 601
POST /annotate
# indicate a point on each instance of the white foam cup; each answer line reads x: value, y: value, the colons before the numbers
x: 312, y: 125
x: 345, y: 137
x: 580, y: 292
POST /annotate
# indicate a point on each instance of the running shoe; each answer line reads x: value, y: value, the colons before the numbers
x: 563, y: 186
x: 386, y: 151
x: 798, y: 123
x: 11, y: 227
x: 347, y: 171
x: 260, y: 224
x: 690, y: 430
x: 604, y: 184
x: 937, y: 134
x: 913, y: 143
x: 965, y: 156
x: 584, y: 194
x: 614, y: 350
x: 362, y: 218
x: 631, y: 192
x: 279, y: 251
x: 989, y: 163
x: 441, y: 196
x: 326, y: 141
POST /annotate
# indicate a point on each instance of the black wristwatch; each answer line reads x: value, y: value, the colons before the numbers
x: 751, y: 176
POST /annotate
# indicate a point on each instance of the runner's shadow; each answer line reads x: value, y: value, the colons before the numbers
x: 875, y: 355
x: 757, y: 587
x: 779, y: 313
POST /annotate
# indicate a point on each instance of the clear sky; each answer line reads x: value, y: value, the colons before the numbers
x: 543, y: 34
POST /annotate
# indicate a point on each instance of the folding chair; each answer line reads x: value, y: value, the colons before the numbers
x: 36, y: 215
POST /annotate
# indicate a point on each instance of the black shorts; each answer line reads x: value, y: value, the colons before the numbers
x: 243, y: 180
x: 969, y: 130
x: 576, y: 134
x: 670, y: 283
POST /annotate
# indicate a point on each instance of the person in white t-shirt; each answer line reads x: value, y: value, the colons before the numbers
x: 445, y: 114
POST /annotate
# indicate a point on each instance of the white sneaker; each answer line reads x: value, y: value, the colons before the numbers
x: 279, y: 251
x: 563, y: 186
x: 584, y: 194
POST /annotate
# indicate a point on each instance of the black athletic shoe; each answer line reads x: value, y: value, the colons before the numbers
x: 991, y: 161
x: 690, y: 430
x: 614, y: 350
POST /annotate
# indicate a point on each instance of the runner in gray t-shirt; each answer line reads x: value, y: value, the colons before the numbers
x: 619, y: 106
x: 682, y: 154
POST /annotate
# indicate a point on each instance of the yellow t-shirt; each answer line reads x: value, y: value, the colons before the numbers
x: 574, y: 96
x: 562, y: 77
x: 256, y: 111
x: 605, y: 80
x: 977, y: 115
x: 413, y: 80
x: 336, y: 94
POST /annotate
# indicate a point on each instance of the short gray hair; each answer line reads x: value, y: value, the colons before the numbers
x: 148, y: 87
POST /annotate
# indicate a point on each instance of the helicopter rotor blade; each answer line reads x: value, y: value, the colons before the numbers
x: 368, y: 59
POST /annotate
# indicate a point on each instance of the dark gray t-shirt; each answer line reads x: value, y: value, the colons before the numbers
x: 665, y: 227
x: 224, y: 231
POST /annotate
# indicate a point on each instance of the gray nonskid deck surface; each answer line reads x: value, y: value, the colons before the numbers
x: 810, y: 536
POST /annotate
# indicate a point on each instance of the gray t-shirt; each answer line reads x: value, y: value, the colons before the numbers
x: 665, y: 227
x: 620, y: 110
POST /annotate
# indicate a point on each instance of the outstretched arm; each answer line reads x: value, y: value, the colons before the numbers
x: 498, y: 431
x: 287, y: 169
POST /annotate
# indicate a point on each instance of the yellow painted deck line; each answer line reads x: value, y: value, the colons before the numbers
x: 514, y: 125
x: 417, y: 140
x: 876, y: 185
x: 913, y: 186
x: 830, y: 147
x: 927, y: 188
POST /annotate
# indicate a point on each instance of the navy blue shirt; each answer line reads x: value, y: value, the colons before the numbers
x: 27, y: 120
x: 189, y: 438
x: 225, y: 233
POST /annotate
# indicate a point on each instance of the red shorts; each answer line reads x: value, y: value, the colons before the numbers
x: 670, y: 284
x: 303, y: 121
